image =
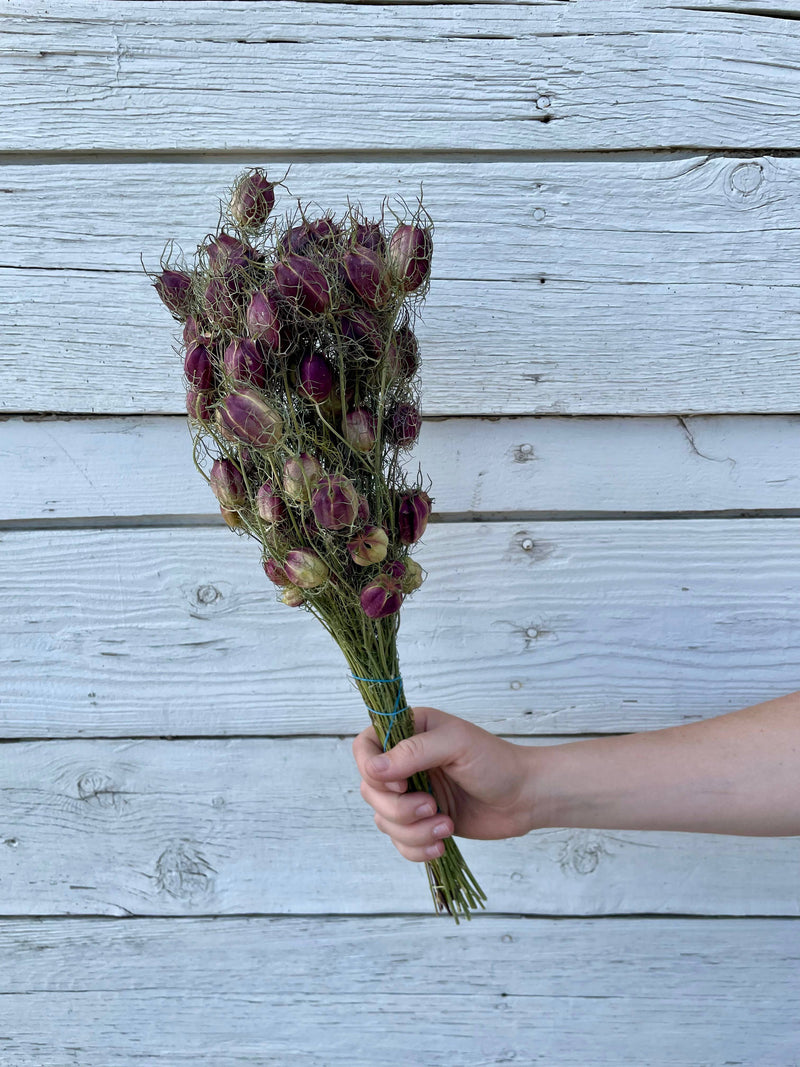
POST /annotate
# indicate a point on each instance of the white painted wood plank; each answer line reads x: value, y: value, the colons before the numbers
x: 140, y: 467
x: 566, y: 347
x: 415, y: 992
x: 195, y: 76
x: 278, y: 826
x: 688, y: 219
x: 535, y: 628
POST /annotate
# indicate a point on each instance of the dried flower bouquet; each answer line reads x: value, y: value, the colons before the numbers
x: 301, y: 363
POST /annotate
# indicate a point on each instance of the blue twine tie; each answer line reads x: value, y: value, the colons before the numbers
x: 397, y: 708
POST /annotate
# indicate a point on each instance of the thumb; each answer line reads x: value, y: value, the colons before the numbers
x: 418, y: 753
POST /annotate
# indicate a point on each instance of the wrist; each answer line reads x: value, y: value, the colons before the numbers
x: 545, y: 803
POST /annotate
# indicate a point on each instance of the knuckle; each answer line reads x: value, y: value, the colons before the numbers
x: 412, y: 747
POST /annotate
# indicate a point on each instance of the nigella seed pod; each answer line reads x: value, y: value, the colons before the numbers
x: 198, y: 368
x: 403, y: 425
x: 198, y: 405
x: 219, y: 303
x: 229, y: 253
x: 295, y: 239
x: 365, y: 273
x: 231, y: 516
x: 292, y: 596
x: 370, y: 235
x: 314, y: 377
x: 396, y: 568
x: 305, y: 568
x: 409, y: 256
x: 402, y: 355
x: 270, y: 505
x: 252, y: 200
x: 335, y: 502
x: 412, y: 579
x: 300, y: 280
x: 247, y: 416
x: 175, y: 289
x: 360, y: 326
x: 360, y: 427
x: 381, y: 597
x: 300, y: 476
x: 227, y: 483
x: 196, y: 332
x: 262, y: 319
x: 413, y: 511
x: 323, y: 232
x: 275, y: 573
x: 369, y: 546
x: 243, y: 363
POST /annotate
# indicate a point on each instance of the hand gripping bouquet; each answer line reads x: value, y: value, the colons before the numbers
x: 301, y: 364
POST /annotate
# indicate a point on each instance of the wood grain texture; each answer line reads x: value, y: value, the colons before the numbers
x: 278, y: 826
x: 536, y: 628
x: 584, y: 348
x: 141, y: 469
x: 681, y: 298
x: 197, y: 76
x: 412, y: 992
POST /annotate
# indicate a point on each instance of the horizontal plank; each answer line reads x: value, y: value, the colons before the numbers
x: 198, y: 827
x: 609, y: 75
x: 82, y: 468
x: 583, y: 348
x: 683, y: 220
x: 322, y: 993
x: 535, y: 628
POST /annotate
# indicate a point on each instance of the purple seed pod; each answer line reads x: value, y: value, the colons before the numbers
x: 262, y: 319
x: 369, y: 546
x: 402, y: 355
x: 413, y: 511
x: 243, y: 363
x: 396, y: 569
x: 360, y: 326
x: 227, y: 483
x: 360, y: 427
x: 300, y: 280
x: 198, y: 368
x: 412, y: 579
x: 370, y: 235
x: 363, y: 509
x: 175, y: 289
x: 198, y: 405
x: 300, y: 476
x: 229, y: 253
x: 364, y: 272
x: 314, y: 377
x: 270, y: 505
x: 335, y: 502
x: 247, y: 416
x: 403, y: 425
x: 219, y: 302
x: 275, y: 572
x: 196, y: 332
x: 294, y: 240
x: 323, y: 232
x: 292, y: 596
x: 305, y: 568
x: 409, y: 255
x: 252, y: 200
x: 381, y: 597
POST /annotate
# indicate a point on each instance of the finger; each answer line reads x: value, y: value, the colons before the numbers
x: 421, y: 834
x: 420, y: 855
x: 403, y: 809
x: 365, y: 746
x: 439, y: 746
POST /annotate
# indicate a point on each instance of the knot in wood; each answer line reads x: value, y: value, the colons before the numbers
x: 184, y: 872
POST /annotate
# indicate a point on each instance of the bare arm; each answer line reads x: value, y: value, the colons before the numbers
x: 737, y: 773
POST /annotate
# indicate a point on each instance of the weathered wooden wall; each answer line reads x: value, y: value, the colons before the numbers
x: 610, y: 377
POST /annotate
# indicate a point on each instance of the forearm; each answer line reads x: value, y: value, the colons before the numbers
x: 737, y: 773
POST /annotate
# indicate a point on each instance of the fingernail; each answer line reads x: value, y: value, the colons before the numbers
x: 379, y: 763
x: 440, y: 829
x: 424, y: 809
x: 395, y: 787
x: 434, y: 850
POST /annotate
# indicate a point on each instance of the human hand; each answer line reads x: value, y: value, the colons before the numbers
x: 484, y: 785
